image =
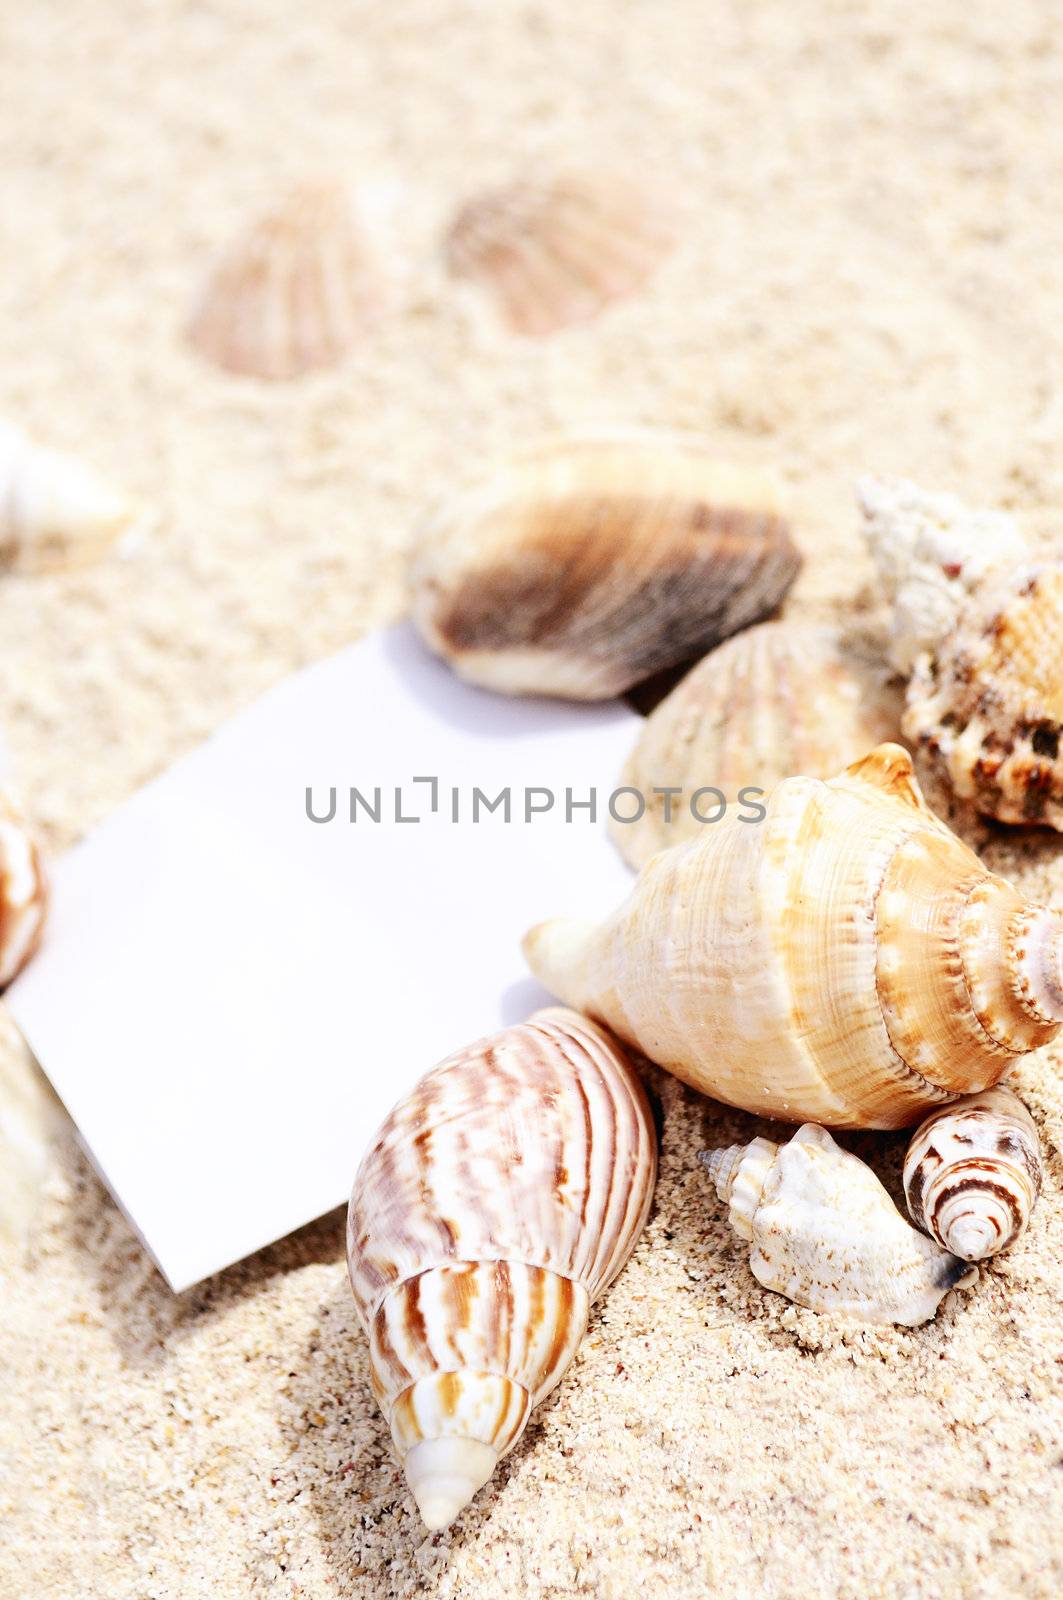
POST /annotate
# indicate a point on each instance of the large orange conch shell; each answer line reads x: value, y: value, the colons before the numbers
x: 847, y: 960
x: 498, y: 1200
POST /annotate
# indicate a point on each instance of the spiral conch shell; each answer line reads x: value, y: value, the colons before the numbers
x: 55, y: 512
x: 826, y: 1234
x: 590, y: 563
x: 295, y: 291
x: 499, y: 1199
x: 776, y: 701
x: 846, y: 960
x: 555, y: 251
x: 973, y: 1173
x: 23, y: 893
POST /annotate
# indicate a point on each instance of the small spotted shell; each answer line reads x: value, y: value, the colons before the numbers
x: 295, y: 291
x: 555, y: 251
x: 498, y: 1200
x: 55, y: 512
x: 825, y: 1233
x: 23, y: 893
x: 973, y: 1173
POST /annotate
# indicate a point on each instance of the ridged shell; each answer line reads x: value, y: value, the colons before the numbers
x: 296, y: 290
x: 556, y: 251
x: 987, y: 705
x: 23, y: 893
x: 825, y: 1233
x: 781, y: 700
x: 931, y: 551
x: 589, y: 564
x: 973, y: 1173
x: 847, y: 960
x: 498, y: 1200
x: 55, y: 512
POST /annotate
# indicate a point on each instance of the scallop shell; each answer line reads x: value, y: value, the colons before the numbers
x: 777, y: 701
x: 589, y: 564
x: 498, y: 1200
x: 296, y: 290
x: 825, y: 1233
x: 846, y: 960
x: 23, y: 893
x: 55, y: 512
x: 555, y: 252
x: 973, y: 1173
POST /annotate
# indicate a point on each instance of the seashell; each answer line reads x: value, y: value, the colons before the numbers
x: 556, y: 252
x: 826, y: 1234
x: 498, y: 1200
x: 23, y: 893
x: 931, y: 551
x: 973, y: 1173
x: 846, y: 960
x: 591, y: 563
x: 55, y: 512
x: 776, y: 701
x: 295, y: 291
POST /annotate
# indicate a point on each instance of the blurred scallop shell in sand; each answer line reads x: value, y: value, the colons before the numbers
x: 23, y: 893
x: 776, y: 701
x: 499, y: 1199
x: 55, y: 512
x: 825, y: 1233
x: 973, y: 1172
x: 296, y: 290
x: 590, y: 563
x: 555, y: 251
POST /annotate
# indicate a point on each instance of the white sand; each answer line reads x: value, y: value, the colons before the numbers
x: 871, y: 281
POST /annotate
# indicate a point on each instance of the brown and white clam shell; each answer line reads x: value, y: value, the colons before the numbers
x: 296, y: 291
x: 590, y: 563
x: 555, y: 251
x: 498, y: 1200
x: 780, y: 700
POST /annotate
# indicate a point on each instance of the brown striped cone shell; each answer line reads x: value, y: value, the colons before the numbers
x: 55, y: 511
x: 590, y: 563
x: 553, y: 252
x: 23, y: 893
x: 823, y: 1231
x: 780, y: 700
x: 846, y: 960
x: 498, y: 1200
x: 296, y: 290
x: 973, y: 1173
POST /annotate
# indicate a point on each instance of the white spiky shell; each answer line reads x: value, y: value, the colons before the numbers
x: 55, y: 511
x: 931, y: 551
x: 847, y: 960
x: 775, y: 701
x: 295, y: 291
x: 973, y: 1172
x: 555, y: 251
x: 498, y: 1200
x: 825, y: 1233
x: 23, y: 892
x: 587, y: 564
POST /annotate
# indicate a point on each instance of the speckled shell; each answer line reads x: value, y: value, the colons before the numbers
x: 588, y: 564
x: 776, y: 701
x: 498, y: 1200
x: 847, y: 960
x: 973, y: 1173
x: 55, y: 512
x: 555, y: 251
x: 296, y: 290
x: 931, y: 551
x: 987, y: 705
x: 825, y: 1233
x: 23, y: 893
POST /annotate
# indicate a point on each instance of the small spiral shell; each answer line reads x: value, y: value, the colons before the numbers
x: 973, y: 1173
x: 55, y: 511
x: 23, y: 893
x: 498, y: 1200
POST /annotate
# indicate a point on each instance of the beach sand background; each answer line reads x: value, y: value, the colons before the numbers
x: 870, y: 279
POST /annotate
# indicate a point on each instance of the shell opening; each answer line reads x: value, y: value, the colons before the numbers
x: 445, y: 1474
